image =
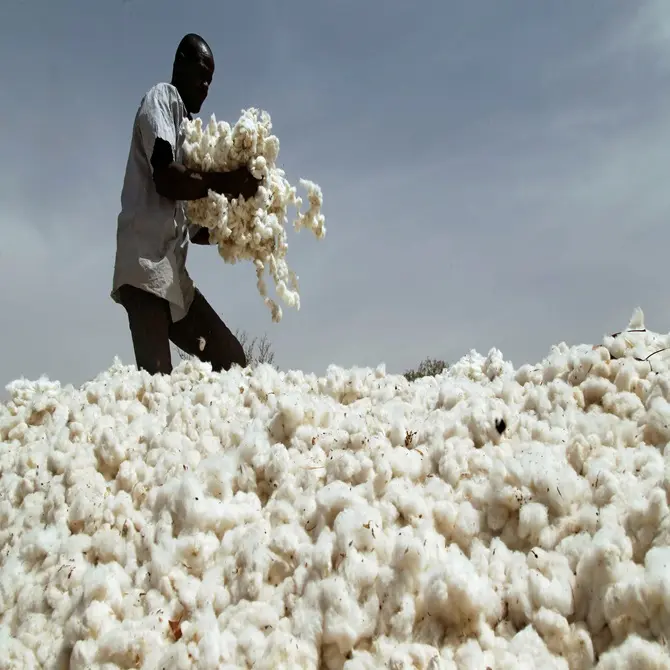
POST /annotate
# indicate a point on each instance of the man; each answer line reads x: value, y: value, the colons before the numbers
x: 150, y: 277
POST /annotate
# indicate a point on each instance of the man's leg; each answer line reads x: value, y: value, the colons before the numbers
x: 149, y: 320
x: 203, y: 334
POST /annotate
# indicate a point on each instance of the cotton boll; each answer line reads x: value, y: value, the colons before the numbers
x: 530, y: 651
x: 98, y: 618
x: 635, y: 653
x: 533, y: 518
x: 470, y: 656
x: 196, y: 551
x: 83, y: 655
x: 341, y: 616
x: 467, y: 525
x: 107, y: 546
x: 408, y: 555
x: 106, y: 583
x: 530, y: 375
x: 625, y: 405
x: 289, y: 416
x: 411, y: 505
x: 517, y: 598
x: 554, y: 629
x: 595, y: 389
x: 323, y: 552
x: 355, y: 527
x: 551, y: 582
x: 596, y: 570
x: 126, y: 647
x: 345, y: 468
x: 497, y: 517
x: 644, y: 521
x: 445, y: 515
x: 332, y: 499
x: 449, y: 396
x: 579, y: 649
x: 657, y: 421
x: 641, y: 599
x: 458, y: 595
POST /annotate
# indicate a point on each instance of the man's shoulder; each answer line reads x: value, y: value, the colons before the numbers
x: 161, y: 91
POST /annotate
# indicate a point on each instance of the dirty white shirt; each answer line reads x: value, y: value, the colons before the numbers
x: 152, y: 231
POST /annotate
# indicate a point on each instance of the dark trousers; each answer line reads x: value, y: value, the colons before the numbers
x: 200, y: 333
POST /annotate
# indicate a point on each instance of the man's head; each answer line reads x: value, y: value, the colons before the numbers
x: 192, y: 71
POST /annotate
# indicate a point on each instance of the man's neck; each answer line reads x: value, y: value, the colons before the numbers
x: 188, y: 114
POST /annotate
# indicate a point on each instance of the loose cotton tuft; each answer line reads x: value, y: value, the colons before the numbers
x: 251, y: 229
x: 488, y: 517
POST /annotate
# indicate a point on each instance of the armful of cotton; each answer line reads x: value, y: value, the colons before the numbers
x: 253, y: 228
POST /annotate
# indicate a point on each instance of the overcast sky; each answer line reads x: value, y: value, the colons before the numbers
x: 494, y: 173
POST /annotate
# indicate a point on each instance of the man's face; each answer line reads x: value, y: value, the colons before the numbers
x: 196, y: 76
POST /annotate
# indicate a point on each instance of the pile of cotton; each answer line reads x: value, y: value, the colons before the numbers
x: 251, y: 229
x: 489, y: 517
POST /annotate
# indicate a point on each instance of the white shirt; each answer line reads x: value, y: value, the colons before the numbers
x: 152, y: 231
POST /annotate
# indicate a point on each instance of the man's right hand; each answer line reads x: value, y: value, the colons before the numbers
x: 249, y: 186
x: 235, y: 183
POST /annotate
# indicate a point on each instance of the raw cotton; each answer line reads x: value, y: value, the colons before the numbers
x: 251, y: 229
x: 489, y: 517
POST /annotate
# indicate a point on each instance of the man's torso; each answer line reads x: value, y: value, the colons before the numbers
x: 152, y: 232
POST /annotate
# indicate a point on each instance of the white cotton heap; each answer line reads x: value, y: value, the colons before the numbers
x: 251, y: 229
x: 484, y: 518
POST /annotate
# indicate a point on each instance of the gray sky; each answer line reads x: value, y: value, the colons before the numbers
x: 494, y: 173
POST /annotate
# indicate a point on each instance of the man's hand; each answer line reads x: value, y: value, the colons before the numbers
x: 235, y: 183
x: 250, y: 187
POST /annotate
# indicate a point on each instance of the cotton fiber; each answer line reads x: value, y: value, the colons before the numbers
x: 488, y: 517
x: 251, y: 229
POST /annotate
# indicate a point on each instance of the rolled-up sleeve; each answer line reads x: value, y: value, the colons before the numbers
x: 157, y: 119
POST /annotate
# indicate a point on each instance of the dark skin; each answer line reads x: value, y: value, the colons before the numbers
x: 192, y: 76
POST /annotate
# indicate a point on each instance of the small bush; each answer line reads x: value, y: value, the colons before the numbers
x: 257, y: 350
x: 429, y: 367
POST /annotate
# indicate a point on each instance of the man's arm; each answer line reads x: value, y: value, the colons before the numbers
x: 158, y: 128
x: 177, y: 182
